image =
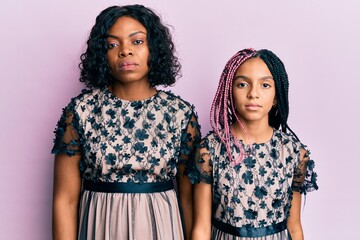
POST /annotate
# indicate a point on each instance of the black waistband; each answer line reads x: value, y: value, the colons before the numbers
x: 121, y: 187
x: 247, y: 231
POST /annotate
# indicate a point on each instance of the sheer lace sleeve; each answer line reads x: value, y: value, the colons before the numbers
x: 190, y: 139
x: 202, y: 164
x: 68, y: 134
x: 305, y: 178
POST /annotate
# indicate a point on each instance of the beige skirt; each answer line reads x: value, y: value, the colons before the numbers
x: 220, y: 235
x: 130, y: 216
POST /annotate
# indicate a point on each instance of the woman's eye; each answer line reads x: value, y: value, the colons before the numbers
x: 266, y: 85
x: 112, y: 45
x: 137, y: 42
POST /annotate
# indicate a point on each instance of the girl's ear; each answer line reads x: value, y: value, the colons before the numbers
x: 274, y: 102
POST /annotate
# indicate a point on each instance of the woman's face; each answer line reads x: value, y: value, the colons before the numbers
x: 253, y: 91
x: 128, y: 51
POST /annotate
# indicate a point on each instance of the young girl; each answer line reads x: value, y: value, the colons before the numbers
x: 120, y: 144
x: 250, y: 174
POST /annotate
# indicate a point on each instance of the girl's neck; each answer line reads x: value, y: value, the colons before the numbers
x: 132, y: 91
x: 258, y: 133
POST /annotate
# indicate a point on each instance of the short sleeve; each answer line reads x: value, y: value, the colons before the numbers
x: 68, y: 134
x: 190, y: 138
x: 202, y: 164
x: 305, y: 178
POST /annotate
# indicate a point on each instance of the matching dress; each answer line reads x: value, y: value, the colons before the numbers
x: 251, y: 200
x: 131, y: 152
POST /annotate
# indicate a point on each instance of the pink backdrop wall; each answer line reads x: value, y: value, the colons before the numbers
x: 319, y: 42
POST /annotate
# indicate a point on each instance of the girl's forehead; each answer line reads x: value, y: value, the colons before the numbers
x: 253, y: 66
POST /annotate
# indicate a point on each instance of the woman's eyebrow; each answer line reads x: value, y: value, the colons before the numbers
x: 134, y: 33
x: 130, y: 35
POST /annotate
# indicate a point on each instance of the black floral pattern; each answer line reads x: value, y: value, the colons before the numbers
x: 128, y: 141
x: 258, y: 191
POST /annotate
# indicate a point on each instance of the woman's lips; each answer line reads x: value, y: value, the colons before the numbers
x: 127, y: 65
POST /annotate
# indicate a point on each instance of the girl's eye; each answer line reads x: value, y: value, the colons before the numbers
x: 138, y: 42
x: 112, y: 45
x: 266, y: 85
x: 242, y: 85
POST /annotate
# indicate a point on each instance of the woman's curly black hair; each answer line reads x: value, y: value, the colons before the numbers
x: 164, y: 66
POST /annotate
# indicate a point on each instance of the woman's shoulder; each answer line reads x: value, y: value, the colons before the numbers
x: 88, y: 93
x: 169, y: 98
x: 84, y: 103
x: 86, y: 97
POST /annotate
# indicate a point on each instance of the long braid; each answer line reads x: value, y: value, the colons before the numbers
x: 222, y: 112
x: 279, y: 115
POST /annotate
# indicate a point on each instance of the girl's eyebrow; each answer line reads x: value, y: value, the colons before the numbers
x: 267, y: 77
x: 240, y: 77
x: 246, y: 78
x: 130, y: 35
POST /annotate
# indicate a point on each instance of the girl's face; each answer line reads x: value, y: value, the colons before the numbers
x: 253, y: 91
x: 128, y: 51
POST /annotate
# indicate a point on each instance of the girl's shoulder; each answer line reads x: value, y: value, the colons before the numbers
x: 211, y: 135
x: 279, y: 137
x: 211, y: 139
x: 288, y: 140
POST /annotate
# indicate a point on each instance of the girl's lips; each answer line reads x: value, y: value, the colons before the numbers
x: 252, y: 106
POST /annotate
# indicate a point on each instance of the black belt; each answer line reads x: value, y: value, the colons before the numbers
x: 121, y: 187
x: 247, y: 231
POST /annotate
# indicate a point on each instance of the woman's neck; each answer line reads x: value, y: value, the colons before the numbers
x: 132, y: 91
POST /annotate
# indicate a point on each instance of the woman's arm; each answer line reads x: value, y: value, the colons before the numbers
x: 186, y: 199
x: 190, y: 139
x: 294, y: 221
x: 67, y: 184
x: 202, y: 211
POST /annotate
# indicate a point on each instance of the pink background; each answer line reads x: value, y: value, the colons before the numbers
x: 319, y: 42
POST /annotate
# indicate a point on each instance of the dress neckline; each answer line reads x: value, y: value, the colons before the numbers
x: 255, y: 144
x: 112, y: 96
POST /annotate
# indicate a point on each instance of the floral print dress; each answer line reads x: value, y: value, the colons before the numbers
x: 252, y: 199
x: 123, y: 141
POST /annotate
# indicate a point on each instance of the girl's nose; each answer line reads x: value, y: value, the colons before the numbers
x: 253, y: 93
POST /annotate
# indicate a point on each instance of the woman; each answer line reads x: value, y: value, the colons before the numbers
x: 121, y: 144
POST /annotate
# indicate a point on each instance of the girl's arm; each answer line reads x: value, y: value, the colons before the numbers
x: 202, y: 193
x: 67, y: 184
x: 202, y: 211
x: 294, y: 220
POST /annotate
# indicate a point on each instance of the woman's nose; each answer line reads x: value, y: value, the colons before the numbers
x: 125, y: 51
